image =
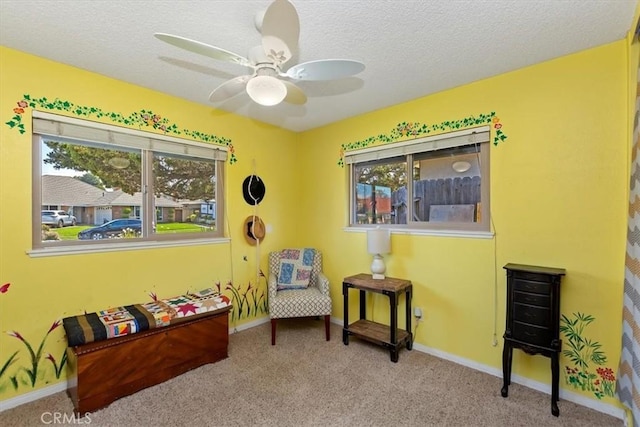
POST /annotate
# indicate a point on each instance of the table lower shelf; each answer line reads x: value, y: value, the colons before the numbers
x: 378, y: 333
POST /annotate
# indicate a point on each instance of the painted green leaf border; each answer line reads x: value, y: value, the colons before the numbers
x: 140, y: 119
x: 411, y: 130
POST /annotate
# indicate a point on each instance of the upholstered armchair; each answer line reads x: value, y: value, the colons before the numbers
x: 297, y: 287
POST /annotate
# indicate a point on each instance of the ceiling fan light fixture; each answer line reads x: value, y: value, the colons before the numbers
x: 461, y: 167
x: 266, y: 90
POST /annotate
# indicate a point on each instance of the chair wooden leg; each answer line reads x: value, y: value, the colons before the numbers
x: 273, y: 331
x: 327, y: 326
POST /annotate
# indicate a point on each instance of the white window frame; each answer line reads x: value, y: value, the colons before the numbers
x: 407, y: 149
x: 67, y: 129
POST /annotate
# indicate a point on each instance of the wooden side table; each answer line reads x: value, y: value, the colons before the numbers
x: 389, y: 336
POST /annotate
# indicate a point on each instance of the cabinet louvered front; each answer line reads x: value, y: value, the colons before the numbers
x: 533, y: 319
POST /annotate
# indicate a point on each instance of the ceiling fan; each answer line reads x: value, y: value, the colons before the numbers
x: 268, y: 84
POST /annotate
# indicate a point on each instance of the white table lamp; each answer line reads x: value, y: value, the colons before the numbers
x: 378, y: 243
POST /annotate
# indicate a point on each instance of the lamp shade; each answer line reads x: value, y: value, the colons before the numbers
x: 379, y: 241
x: 266, y: 90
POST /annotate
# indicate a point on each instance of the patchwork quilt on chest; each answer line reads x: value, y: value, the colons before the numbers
x: 126, y: 320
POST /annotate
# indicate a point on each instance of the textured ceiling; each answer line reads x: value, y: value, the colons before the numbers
x: 410, y: 48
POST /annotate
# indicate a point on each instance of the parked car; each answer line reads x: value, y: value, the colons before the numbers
x: 111, y: 229
x: 58, y: 218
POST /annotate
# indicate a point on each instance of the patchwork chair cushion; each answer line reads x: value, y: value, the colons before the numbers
x: 295, y: 268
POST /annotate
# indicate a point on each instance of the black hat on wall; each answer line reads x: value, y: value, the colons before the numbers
x: 253, y: 189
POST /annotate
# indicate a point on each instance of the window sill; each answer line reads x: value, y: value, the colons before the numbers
x: 440, y: 233
x: 115, y: 247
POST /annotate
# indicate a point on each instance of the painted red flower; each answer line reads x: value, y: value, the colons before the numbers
x: 23, y: 104
x: 50, y: 357
x: 54, y: 325
x: 153, y: 296
x: 18, y: 110
x: 4, y: 288
x: 498, y: 125
x: 17, y: 335
x: 606, y: 374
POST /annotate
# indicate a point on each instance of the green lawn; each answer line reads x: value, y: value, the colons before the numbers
x: 71, y: 233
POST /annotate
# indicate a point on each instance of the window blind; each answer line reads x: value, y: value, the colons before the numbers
x: 430, y: 143
x: 63, y: 128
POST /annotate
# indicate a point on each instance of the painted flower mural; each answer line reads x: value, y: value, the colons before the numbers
x: 584, y: 353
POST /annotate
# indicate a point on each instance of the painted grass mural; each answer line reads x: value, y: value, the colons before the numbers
x: 29, y: 372
x: 247, y: 303
x: 27, y: 367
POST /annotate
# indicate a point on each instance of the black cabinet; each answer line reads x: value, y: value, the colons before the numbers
x: 533, y: 320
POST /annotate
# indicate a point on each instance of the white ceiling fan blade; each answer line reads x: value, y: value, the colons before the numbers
x: 295, y: 95
x: 325, y: 69
x: 280, y: 31
x: 229, y: 89
x: 203, y: 49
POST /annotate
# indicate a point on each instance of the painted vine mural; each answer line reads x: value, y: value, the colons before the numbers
x: 139, y: 119
x: 412, y: 130
x: 585, y: 355
x: 32, y: 365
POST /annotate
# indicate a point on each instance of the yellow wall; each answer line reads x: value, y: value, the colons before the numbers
x: 558, y: 199
x: 43, y: 290
x: 558, y: 188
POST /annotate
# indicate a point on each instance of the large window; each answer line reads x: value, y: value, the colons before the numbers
x: 439, y: 183
x: 95, y: 184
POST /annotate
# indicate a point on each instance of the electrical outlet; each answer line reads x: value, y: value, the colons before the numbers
x: 417, y: 312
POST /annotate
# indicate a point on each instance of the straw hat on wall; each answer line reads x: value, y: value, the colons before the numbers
x: 253, y: 230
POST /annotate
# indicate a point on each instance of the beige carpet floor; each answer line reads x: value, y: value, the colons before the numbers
x: 306, y: 381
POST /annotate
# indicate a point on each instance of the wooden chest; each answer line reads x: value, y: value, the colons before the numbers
x: 103, y: 371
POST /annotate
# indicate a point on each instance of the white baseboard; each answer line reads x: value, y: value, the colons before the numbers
x: 536, y: 385
x: 233, y: 329
x: 32, y: 396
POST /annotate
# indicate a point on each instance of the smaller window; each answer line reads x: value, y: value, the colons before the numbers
x: 439, y: 183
